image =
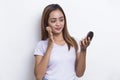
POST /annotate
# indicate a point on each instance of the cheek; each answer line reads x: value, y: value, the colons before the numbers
x: 51, y: 24
x: 63, y: 24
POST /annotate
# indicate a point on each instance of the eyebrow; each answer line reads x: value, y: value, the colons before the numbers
x: 59, y: 17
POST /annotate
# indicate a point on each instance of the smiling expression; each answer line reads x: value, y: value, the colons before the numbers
x: 56, y: 21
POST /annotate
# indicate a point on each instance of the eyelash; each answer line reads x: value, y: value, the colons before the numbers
x: 62, y: 20
x: 52, y: 21
x: 55, y: 21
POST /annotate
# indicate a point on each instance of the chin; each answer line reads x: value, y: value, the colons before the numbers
x: 57, y: 32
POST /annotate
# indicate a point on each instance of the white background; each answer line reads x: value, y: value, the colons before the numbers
x: 20, y: 32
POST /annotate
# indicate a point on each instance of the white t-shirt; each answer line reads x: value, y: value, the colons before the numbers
x: 61, y: 65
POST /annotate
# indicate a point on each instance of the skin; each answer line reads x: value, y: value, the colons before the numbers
x: 56, y: 25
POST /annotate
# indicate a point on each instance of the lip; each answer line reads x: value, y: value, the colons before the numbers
x: 57, y: 29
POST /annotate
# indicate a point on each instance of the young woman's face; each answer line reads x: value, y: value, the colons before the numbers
x: 56, y: 21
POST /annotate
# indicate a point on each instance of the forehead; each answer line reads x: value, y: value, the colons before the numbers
x: 56, y: 14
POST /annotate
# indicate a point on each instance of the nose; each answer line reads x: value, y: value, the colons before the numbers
x: 58, y: 23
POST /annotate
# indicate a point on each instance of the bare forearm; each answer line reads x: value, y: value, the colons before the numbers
x: 81, y: 64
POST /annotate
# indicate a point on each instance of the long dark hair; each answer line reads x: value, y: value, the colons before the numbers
x: 44, y: 23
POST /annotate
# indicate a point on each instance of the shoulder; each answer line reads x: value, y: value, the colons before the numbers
x: 41, y: 47
x: 42, y: 42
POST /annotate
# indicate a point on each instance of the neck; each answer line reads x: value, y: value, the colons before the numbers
x: 58, y: 37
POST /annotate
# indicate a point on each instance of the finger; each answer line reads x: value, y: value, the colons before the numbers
x: 85, y: 41
x: 82, y: 43
x: 51, y: 34
x: 49, y: 31
x: 89, y: 39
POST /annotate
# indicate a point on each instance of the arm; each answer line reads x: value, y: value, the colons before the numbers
x: 81, y: 63
x: 41, y: 62
x: 81, y: 57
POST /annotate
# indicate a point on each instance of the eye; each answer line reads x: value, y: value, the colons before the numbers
x: 61, y: 20
x: 53, y: 21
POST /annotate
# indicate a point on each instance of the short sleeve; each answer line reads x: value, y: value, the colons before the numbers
x: 39, y: 49
x: 78, y: 43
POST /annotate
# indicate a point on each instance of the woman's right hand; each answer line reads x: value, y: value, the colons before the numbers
x: 51, y: 40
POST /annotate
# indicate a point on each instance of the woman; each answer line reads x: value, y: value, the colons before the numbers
x: 58, y: 56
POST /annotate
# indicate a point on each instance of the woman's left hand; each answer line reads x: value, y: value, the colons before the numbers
x: 84, y: 43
